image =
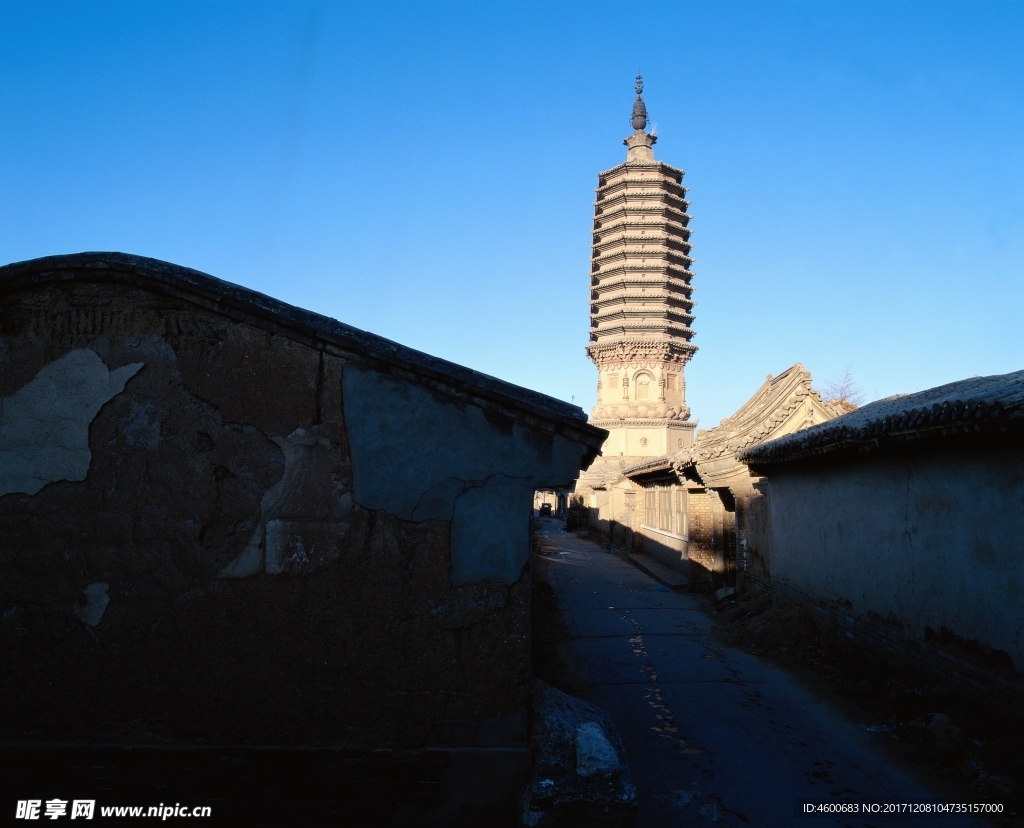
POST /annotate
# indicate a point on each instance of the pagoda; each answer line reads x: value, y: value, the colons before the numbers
x: 641, y: 308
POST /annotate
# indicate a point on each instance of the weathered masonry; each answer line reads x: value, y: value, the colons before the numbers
x: 901, y: 523
x: 226, y: 520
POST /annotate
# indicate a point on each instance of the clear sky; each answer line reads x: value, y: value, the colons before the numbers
x: 426, y: 170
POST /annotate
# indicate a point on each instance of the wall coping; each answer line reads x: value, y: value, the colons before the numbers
x: 992, y: 405
x: 311, y: 329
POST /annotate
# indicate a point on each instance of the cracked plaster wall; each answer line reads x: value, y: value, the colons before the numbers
x: 926, y: 539
x: 420, y: 456
x: 229, y: 570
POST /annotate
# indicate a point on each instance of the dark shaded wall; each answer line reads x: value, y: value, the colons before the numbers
x: 196, y: 546
x: 927, y: 538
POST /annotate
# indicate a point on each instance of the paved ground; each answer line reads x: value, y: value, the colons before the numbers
x: 712, y: 734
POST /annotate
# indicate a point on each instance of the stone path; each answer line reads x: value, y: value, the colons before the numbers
x: 712, y: 734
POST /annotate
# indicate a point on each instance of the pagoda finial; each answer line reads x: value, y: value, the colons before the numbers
x: 639, y: 118
x: 640, y: 143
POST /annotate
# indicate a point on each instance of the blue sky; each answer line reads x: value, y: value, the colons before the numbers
x: 426, y: 170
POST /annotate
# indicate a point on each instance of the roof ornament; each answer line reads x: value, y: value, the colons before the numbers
x: 639, y: 118
x: 640, y: 143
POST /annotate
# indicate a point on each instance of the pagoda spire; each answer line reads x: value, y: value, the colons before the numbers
x: 639, y: 119
x: 641, y: 305
x: 640, y: 143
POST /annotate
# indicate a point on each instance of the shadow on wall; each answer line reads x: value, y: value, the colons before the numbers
x: 228, y: 522
x: 703, y: 575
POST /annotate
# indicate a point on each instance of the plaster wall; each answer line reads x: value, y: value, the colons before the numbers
x: 671, y: 550
x: 756, y: 533
x: 930, y: 539
x: 44, y: 426
x: 601, y: 511
x: 254, y: 542
x: 421, y: 456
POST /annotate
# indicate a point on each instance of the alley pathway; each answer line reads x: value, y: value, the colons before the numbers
x: 712, y: 734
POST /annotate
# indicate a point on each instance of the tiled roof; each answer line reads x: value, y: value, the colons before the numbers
x: 601, y: 475
x: 655, y: 464
x: 773, y: 406
x: 981, y: 404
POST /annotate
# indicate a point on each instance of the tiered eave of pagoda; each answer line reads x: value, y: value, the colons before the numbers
x: 641, y: 304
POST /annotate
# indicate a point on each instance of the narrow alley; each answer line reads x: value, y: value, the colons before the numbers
x: 712, y: 734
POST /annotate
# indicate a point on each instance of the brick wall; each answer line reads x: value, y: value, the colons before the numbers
x: 701, y: 534
x: 755, y: 530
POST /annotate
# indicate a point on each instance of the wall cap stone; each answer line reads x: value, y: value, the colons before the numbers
x: 312, y: 329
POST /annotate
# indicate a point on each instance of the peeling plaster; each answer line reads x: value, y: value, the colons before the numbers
x: 44, y: 426
x: 96, y: 600
x: 491, y: 532
x: 421, y: 456
x: 278, y: 541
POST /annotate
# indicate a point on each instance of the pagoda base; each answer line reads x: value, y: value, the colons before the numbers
x: 643, y: 438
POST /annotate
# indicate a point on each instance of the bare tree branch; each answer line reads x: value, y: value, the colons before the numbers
x: 843, y: 390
